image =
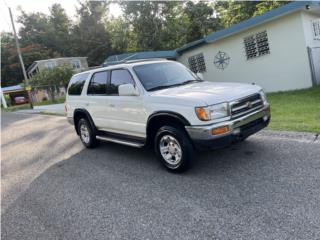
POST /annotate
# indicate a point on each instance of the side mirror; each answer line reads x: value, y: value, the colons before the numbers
x: 200, y: 75
x: 127, y: 90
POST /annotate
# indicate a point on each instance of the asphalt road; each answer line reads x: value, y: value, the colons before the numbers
x: 267, y: 187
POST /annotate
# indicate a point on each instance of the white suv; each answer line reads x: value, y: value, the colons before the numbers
x: 163, y: 104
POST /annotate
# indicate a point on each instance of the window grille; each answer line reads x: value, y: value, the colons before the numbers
x: 256, y: 45
x: 197, y: 63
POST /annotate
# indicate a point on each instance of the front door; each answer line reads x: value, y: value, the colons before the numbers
x: 126, y: 114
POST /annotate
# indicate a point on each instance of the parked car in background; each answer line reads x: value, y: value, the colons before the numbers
x: 20, y: 100
x: 163, y: 104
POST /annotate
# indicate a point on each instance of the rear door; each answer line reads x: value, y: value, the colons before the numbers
x: 97, y: 101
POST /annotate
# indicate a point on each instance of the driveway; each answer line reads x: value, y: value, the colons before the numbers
x: 267, y: 187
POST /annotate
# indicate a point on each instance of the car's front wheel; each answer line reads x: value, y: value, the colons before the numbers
x: 86, y: 133
x: 174, y: 148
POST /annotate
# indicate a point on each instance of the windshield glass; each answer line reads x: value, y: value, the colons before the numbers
x: 155, y: 76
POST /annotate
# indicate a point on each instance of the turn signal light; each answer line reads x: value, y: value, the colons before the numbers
x: 202, y: 114
x: 220, y: 130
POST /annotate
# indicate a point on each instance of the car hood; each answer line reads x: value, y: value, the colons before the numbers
x: 209, y: 92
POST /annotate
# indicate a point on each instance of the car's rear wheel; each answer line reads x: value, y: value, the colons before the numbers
x: 86, y: 133
x: 174, y: 148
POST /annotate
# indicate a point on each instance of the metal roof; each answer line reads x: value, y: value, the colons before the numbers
x: 12, y: 88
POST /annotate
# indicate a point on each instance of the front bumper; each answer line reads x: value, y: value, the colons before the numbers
x: 239, y: 129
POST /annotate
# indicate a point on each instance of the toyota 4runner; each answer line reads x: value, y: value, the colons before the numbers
x: 163, y: 104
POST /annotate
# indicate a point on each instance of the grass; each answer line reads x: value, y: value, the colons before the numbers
x: 296, y: 110
x: 48, y: 102
x: 27, y: 106
x: 15, y: 108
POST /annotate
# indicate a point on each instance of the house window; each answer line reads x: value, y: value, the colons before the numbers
x: 51, y: 65
x: 256, y: 45
x: 316, y: 29
x: 197, y: 63
x: 76, y: 64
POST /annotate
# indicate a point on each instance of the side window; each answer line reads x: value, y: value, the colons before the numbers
x: 76, y: 84
x: 119, y: 77
x: 98, y: 83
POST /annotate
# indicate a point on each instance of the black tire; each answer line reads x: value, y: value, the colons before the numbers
x: 173, y: 134
x: 91, y: 141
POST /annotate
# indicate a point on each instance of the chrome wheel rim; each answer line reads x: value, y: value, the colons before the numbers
x: 84, y: 133
x: 170, y: 150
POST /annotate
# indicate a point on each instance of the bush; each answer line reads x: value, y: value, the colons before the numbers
x: 52, y: 79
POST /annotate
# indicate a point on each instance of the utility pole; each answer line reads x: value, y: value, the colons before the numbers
x: 26, y: 81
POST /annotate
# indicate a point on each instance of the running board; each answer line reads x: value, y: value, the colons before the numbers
x: 120, y: 141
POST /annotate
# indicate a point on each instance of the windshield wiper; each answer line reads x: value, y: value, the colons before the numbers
x: 174, y: 85
x: 159, y: 87
x: 186, y: 82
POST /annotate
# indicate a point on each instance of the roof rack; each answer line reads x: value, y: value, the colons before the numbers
x: 144, y: 60
x: 132, y: 61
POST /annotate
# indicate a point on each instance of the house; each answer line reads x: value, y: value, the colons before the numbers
x: 278, y: 50
x: 77, y: 63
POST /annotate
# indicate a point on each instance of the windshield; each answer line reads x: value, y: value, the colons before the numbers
x: 155, y: 76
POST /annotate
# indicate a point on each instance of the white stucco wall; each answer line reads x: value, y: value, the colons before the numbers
x: 285, y: 68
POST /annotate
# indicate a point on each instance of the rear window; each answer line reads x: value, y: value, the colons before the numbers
x: 76, y: 84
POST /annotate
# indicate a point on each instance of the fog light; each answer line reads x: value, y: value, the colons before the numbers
x: 220, y: 130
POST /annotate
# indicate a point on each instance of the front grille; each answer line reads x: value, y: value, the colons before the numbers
x: 246, y: 105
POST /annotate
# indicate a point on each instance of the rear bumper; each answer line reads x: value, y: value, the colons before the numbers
x: 239, y: 129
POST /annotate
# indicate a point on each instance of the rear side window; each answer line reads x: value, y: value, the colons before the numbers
x: 119, y: 77
x: 98, y: 83
x: 76, y: 84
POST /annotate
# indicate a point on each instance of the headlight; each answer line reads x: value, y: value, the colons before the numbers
x: 263, y: 97
x: 212, y: 112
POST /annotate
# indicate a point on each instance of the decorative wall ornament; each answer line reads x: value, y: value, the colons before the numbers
x: 221, y: 60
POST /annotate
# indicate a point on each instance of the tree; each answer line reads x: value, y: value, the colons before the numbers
x: 90, y: 37
x: 52, y: 79
x: 59, y: 31
x: 148, y: 22
x: 231, y: 12
x: 11, y: 73
x: 201, y: 20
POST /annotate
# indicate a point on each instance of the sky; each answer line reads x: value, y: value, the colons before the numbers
x: 38, y: 6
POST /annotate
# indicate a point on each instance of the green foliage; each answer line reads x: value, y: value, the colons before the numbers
x: 232, y: 12
x: 11, y: 73
x: 201, y: 21
x: 52, y: 78
x: 90, y: 37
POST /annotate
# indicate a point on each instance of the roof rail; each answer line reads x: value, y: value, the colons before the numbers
x: 105, y: 64
x: 144, y: 60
